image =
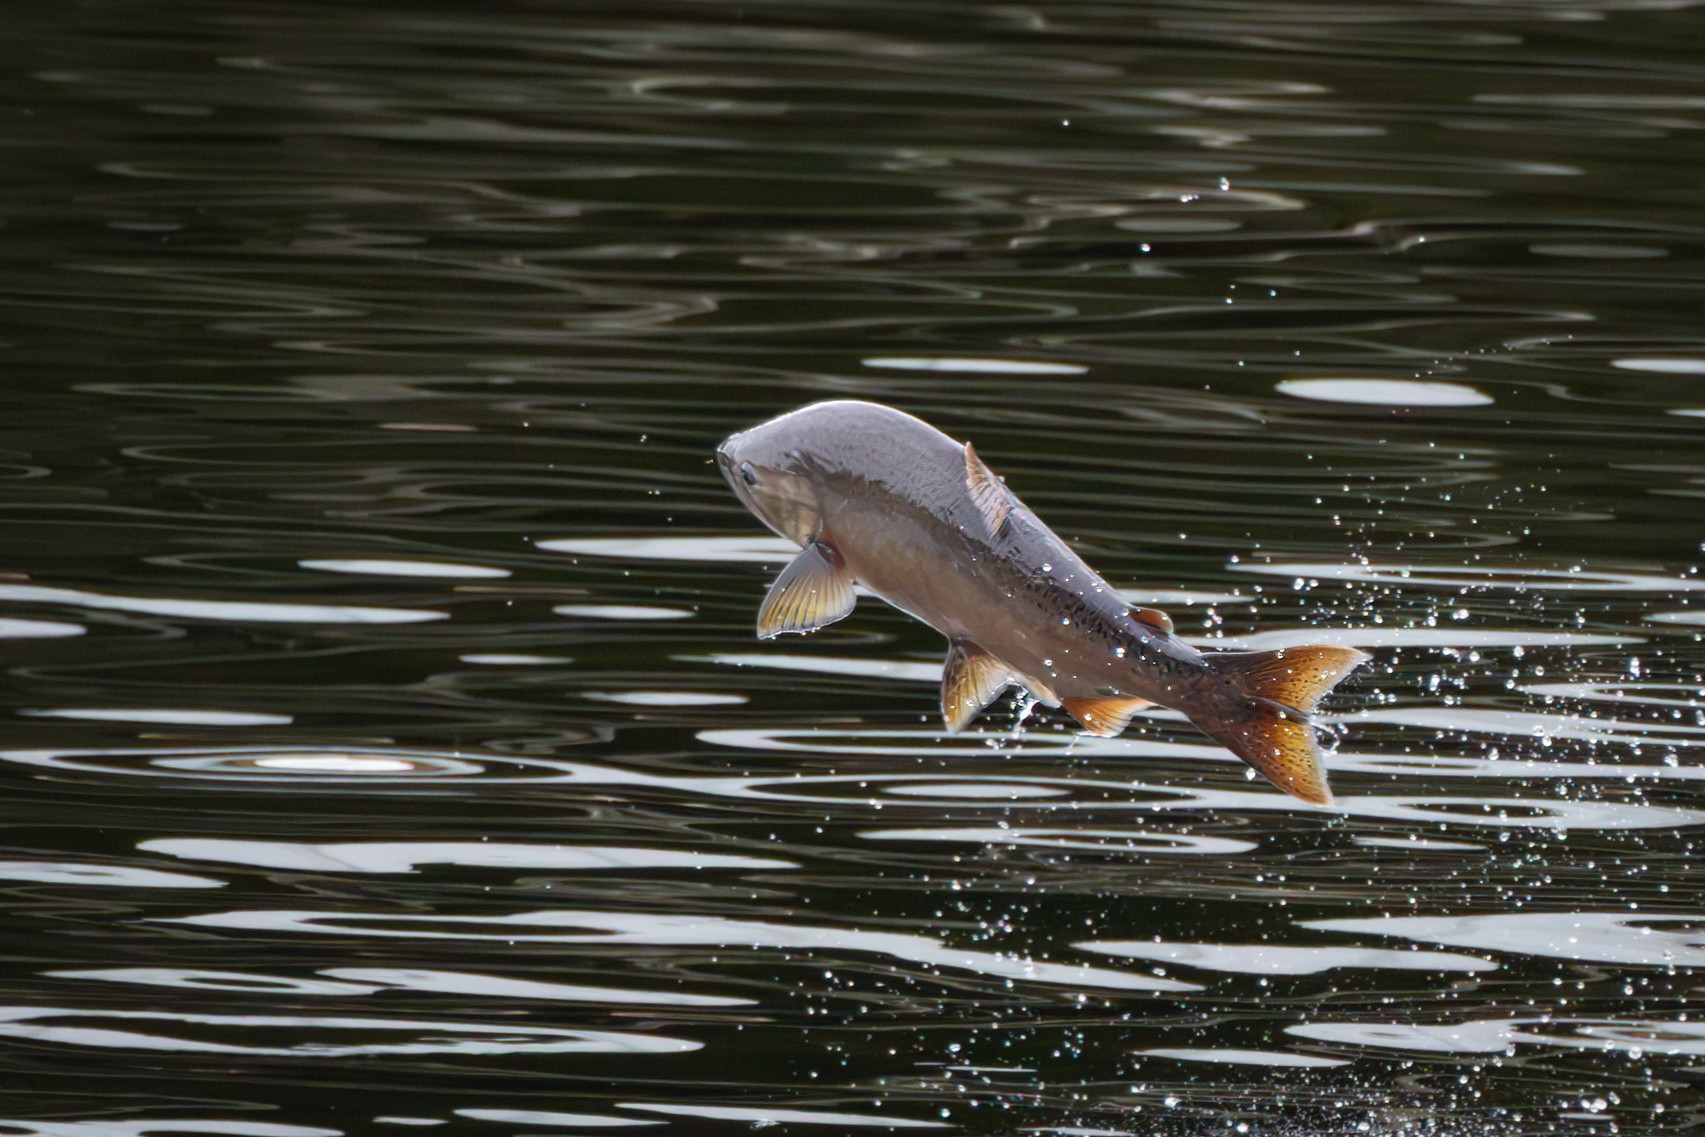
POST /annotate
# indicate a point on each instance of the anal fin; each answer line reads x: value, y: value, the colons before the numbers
x: 1103, y: 715
x: 813, y: 590
x: 970, y: 680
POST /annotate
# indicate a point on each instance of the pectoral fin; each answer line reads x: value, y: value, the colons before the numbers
x: 815, y: 589
x: 988, y: 493
x: 970, y: 681
x: 1103, y: 715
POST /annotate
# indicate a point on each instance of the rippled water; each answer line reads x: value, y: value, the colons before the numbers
x: 388, y: 745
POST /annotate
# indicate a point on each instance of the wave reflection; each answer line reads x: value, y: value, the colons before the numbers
x: 1512, y: 577
x: 764, y: 1116
x: 409, y: 856
x: 100, y: 1028
x: 1276, y: 1058
x: 151, y: 1127
x: 240, y: 611
x: 552, y: 1118
x: 1636, y: 1036
x: 343, y: 982
x: 14, y: 629
x: 749, y: 549
x: 1278, y: 959
x: 81, y: 873
x: 1637, y: 938
x: 1082, y: 840
x: 554, y: 927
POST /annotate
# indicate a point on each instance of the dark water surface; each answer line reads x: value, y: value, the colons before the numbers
x: 387, y: 744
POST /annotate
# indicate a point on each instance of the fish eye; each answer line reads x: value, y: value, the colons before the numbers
x: 747, y: 474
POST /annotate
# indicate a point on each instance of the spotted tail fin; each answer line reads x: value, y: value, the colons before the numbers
x: 1270, y: 727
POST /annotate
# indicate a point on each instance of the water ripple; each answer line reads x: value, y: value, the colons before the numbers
x: 589, y: 927
x: 102, y: 1029
x: 113, y: 1127
x: 80, y: 874
x: 1268, y: 1058
x: 763, y: 1116
x: 1634, y: 1037
x: 408, y: 856
x: 374, y: 606
x: 242, y: 611
x: 1515, y: 577
x: 358, y: 981
x: 1278, y: 959
x: 1639, y: 938
x: 552, y: 1118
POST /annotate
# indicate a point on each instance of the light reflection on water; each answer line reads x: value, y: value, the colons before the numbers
x: 183, y: 717
x: 567, y: 926
x: 389, y: 746
x: 234, y: 610
x: 414, y: 1037
x: 345, y: 981
x: 1639, y: 938
x: 408, y: 856
x: 621, y: 612
x: 375, y: 567
x: 12, y: 629
x: 1096, y: 840
x: 1180, y: 793
x: 694, y: 550
x: 101, y: 876
x: 1386, y: 392
x: 1636, y: 1038
x: 551, y: 1118
x: 1274, y: 959
x: 1244, y: 1057
x: 760, y: 1116
x: 163, y: 1125
x: 1521, y: 578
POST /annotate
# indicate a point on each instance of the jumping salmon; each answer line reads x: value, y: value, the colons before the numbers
x: 876, y: 497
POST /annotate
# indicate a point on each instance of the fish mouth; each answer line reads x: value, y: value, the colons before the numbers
x: 725, y: 459
x: 730, y: 467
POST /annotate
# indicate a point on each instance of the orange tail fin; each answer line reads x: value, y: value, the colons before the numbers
x: 1269, y: 728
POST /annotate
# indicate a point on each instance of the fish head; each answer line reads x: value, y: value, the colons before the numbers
x: 772, y: 476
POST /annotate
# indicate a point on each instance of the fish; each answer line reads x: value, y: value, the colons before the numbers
x: 877, y: 498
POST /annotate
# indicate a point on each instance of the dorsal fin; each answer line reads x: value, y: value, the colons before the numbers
x: 988, y: 493
x: 813, y: 590
x: 970, y: 681
x: 1103, y: 715
x: 1154, y: 618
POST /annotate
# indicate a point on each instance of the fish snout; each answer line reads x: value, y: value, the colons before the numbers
x: 728, y: 462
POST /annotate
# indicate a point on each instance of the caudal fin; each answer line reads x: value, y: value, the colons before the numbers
x: 1269, y: 726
